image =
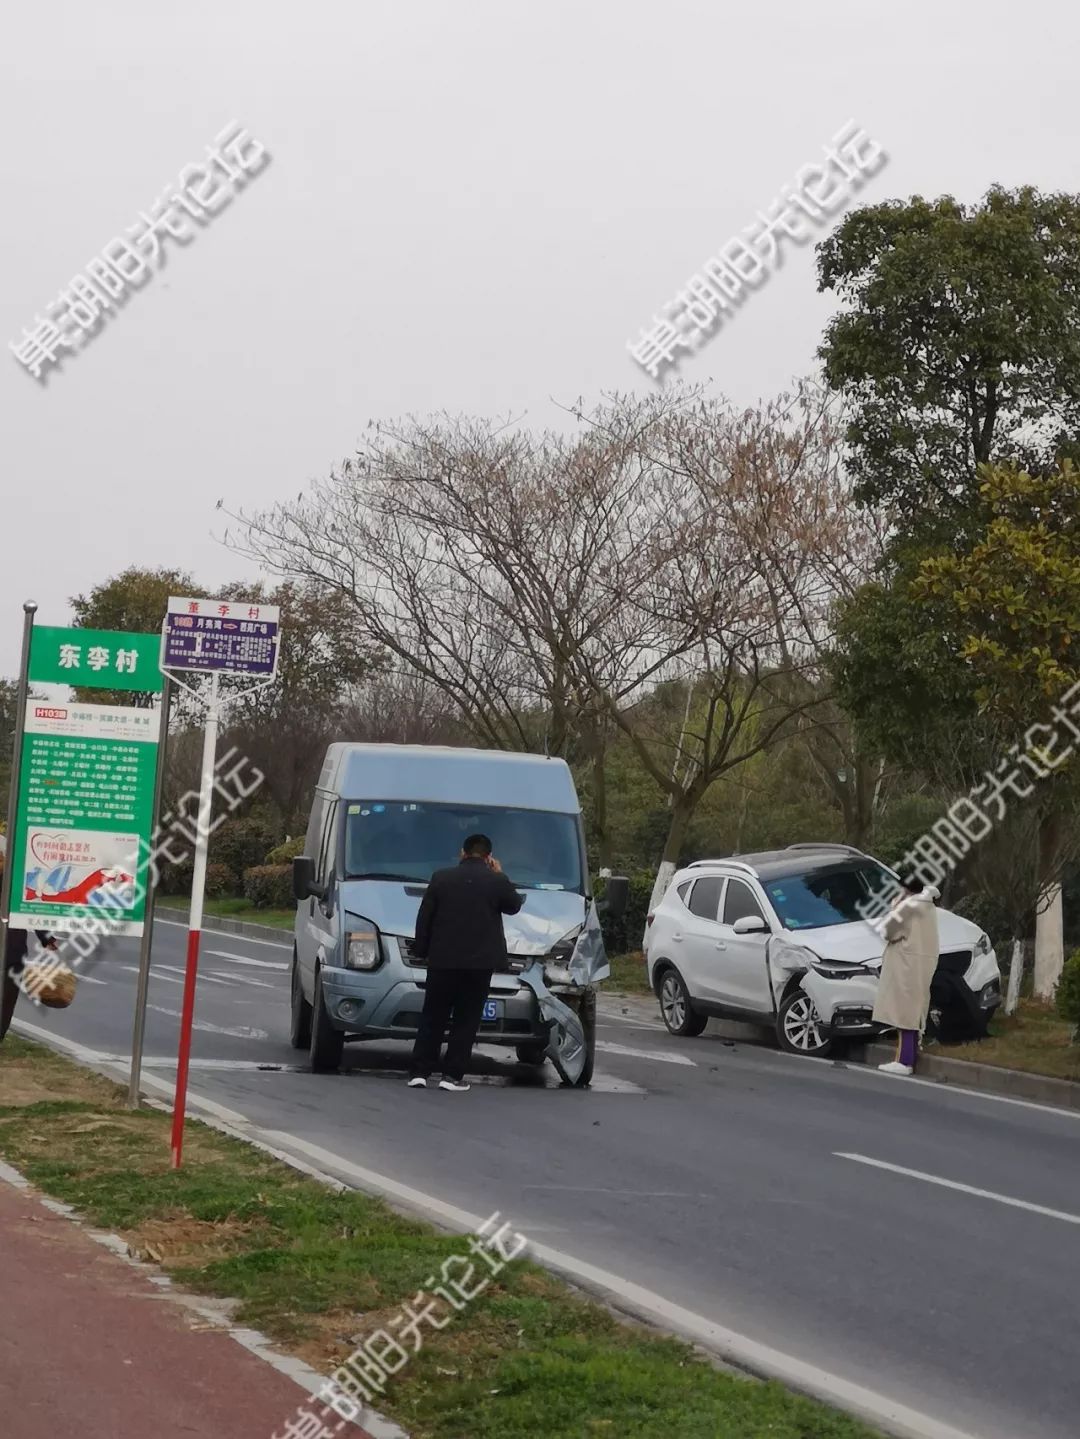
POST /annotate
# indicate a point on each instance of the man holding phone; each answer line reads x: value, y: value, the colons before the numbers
x: 459, y: 933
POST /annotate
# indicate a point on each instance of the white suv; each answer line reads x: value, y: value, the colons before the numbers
x: 776, y: 939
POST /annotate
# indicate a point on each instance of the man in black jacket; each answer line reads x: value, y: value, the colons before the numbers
x: 15, y: 945
x: 459, y: 932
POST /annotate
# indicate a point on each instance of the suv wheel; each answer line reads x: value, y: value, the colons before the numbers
x: 327, y: 1043
x: 675, y: 1007
x: 799, y: 1028
x: 300, y: 1017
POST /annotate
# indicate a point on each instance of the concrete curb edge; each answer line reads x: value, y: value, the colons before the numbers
x: 987, y: 1078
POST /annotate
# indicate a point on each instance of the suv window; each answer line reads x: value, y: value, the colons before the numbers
x: 705, y: 899
x: 684, y: 889
x: 740, y: 902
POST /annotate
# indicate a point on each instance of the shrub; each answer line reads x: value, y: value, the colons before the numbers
x: 287, y: 851
x: 221, y: 881
x: 242, y: 843
x: 176, y: 878
x: 269, y: 886
x: 1067, y: 997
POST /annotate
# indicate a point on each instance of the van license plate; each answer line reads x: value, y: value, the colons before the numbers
x: 492, y: 1010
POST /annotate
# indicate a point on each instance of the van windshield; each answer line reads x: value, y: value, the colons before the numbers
x: 391, y: 839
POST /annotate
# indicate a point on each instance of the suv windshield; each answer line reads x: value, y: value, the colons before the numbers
x: 824, y: 896
x: 390, y: 839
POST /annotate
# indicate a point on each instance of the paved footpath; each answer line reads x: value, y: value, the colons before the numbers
x: 90, y: 1349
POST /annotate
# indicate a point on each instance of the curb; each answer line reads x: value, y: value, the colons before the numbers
x: 223, y: 925
x: 987, y: 1078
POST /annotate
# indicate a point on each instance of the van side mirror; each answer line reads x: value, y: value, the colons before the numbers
x: 303, y: 879
x: 616, y: 896
x: 750, y: 924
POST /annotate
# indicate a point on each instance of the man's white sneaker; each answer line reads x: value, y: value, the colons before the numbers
x: 457, y: 1086
x: 896, y: 1068
x: 418, y: 1082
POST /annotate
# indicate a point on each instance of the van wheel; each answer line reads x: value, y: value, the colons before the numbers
x: 799, y: 1028
x: 675, y: 1008
x: 300, y: 1023
x: 327, y: 1043
x: 587, y: 1015
x: 531, y: 1054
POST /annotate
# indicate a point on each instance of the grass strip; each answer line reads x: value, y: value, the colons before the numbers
x: 1034, y: 1039
x: 317, y: 1271
x: 176, y: 907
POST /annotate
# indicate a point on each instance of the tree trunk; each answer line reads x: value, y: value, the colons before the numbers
x: 1016, y: 970
x: 1049, y: 942
x: 1049, y: 938
x: 599, y: 807
x: 681, y: 811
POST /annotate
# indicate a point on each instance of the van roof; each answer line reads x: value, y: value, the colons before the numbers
x: 448, y: 775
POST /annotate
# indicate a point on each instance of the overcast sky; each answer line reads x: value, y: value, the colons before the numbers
x: 470, y: 206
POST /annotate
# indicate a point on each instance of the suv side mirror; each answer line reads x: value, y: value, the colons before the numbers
x: 303, y: 879
x: 750, y: 924
x: 616, y: 896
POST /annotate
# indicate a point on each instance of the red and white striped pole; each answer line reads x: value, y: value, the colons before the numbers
x: 195, y: 917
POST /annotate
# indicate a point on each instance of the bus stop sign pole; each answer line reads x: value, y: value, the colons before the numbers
x: 195, y: 917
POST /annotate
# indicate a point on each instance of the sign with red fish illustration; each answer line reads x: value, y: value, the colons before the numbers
x: 85, y: 813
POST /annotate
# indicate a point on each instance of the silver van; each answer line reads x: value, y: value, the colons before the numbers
x: 383, y: 819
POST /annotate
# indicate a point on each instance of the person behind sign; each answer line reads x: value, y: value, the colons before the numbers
x: 15, y: 947
x: 459, y: 932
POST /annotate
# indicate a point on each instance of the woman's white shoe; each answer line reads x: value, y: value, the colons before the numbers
x: 895, y: 1067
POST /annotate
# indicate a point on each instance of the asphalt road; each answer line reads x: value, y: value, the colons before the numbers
x: 809, y: 1206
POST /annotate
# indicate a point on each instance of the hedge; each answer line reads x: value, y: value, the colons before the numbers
x: 286, y: 852
x: 269, y: 886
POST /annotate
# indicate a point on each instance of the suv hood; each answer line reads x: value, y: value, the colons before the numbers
x: 859, y: 943
x: 546, y: 916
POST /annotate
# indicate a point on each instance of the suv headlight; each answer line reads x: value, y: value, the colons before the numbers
x: 362, y: 948
x: 983, y: 945
x: 830, y: 970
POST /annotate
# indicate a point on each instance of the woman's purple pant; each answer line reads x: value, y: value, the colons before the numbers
x: 907, y: 1051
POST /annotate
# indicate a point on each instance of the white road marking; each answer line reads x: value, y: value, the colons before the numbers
x: 657, y: 1054
x: 243, y: 938
x: 737, y: 1348
x: 243, y: 959
x: 253, y: 983
x: 155, y: 973
x: 88, y: 978
x: 171, y: 968
x: 631, y: 1020
x: 239, y: 1031
x: 962, y: 1188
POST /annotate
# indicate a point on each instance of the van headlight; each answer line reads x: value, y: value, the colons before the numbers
x: 983, y: 945
x: 558, y: 957
x: 362, y: 948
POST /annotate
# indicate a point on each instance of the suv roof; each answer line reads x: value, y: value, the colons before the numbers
x: 777, y: 863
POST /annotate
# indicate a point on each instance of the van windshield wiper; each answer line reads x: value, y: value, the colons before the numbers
x: 380, y: 874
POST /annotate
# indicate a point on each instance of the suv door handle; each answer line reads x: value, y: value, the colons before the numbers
x: 721, y: 944
x: 677, y: 937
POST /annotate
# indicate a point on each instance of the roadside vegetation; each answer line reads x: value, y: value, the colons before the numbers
x: 318, y: 1270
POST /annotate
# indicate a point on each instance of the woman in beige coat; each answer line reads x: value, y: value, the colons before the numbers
x: 907, y: 970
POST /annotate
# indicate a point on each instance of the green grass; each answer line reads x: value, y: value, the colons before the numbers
x: 234, y: 909
x: 316, y: 1270
x: 1035, y: 1039
x: 628, y: 974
